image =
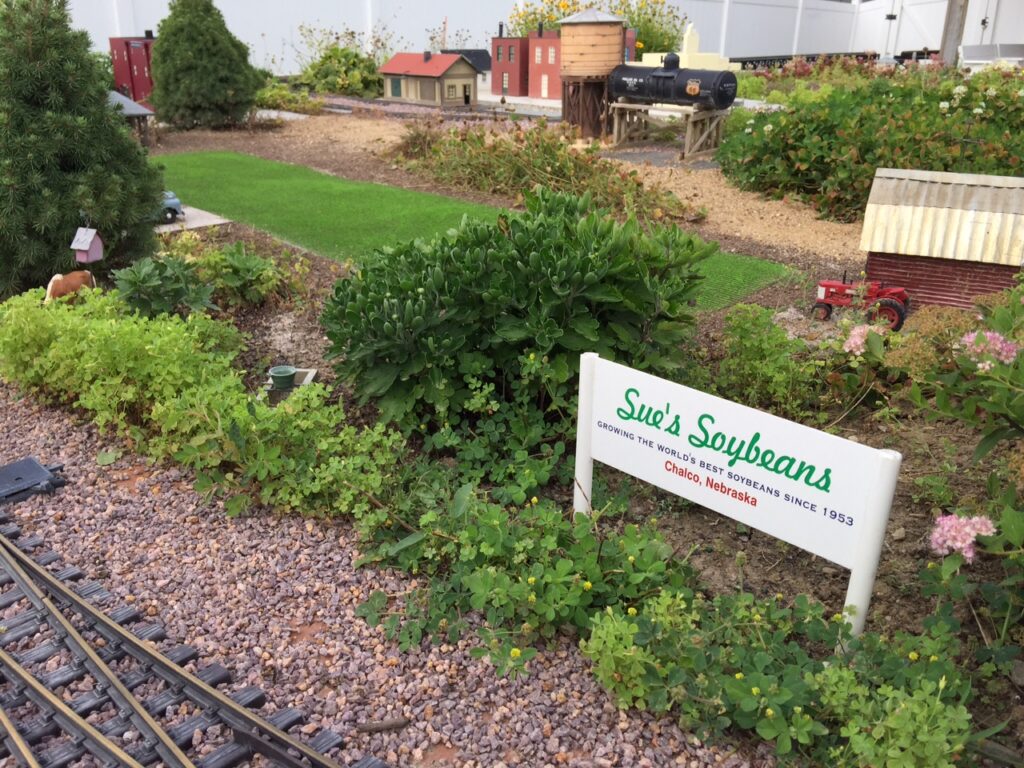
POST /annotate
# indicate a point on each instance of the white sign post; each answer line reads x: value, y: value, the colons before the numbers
x: 819, y: 492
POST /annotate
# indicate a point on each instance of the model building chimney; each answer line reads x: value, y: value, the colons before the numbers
x: 540, y: 29
x: 501, y: 29
x: 426, y: 55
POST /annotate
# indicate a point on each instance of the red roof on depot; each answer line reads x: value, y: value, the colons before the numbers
x: 413, y: 64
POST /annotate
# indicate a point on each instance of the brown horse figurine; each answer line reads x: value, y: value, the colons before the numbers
x: 65, y: 285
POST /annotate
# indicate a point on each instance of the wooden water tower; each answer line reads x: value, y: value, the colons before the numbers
x: 593, y: 44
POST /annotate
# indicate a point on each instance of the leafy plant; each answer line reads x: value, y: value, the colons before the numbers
x: 659, y: 26
x: 343, y: 70
x: 68, y: 159
x: 166, y: 286
x: 762, y: 367
x: 201, y: 72
x: 514, y: 162
x: 278, y: 95
x: 239, y: 278
x: 472, y: 340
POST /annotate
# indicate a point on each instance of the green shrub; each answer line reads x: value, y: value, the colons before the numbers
x: 201, y: 72
x: 277, y: 95
x: 163, y: 286
x: 239, y: 278
x: 515, y: 162
x: 169, y: 385
x: 764, y: 666
x: 825, y: 148
x: 343, y: 70
x: 68, y: 159
x: 762, y: 367
x: 473, y: 339
x: 191, y: 283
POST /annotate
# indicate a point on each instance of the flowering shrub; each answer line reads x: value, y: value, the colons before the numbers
x: 826, y: 151
x: 957, y: 534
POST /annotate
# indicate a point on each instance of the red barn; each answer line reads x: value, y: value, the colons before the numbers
x: 509, y: 66
x: 545, y: 65
x: 946, y: 237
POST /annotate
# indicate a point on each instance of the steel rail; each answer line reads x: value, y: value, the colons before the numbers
x: 249, y: 729
x: 15, y: 743
x: 38, y: 694
x: 130, y: 708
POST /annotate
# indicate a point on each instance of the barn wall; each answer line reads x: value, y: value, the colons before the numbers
x: 940, y: 281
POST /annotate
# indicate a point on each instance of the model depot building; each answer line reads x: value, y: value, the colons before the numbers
x: 432, y: 79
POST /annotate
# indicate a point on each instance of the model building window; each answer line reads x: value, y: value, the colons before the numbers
x: 536, y: 55
x: 450, y: 92
x: 499, y: 52
x: 504, y: 82
x: 511, y: 53
x: 396, y: 87
x: 551, y: 55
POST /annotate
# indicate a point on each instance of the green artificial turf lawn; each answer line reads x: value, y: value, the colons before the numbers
x: 729, y: 277
x: 332, y: 216
x: 348, y: 219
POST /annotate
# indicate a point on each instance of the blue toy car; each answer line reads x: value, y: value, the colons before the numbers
x: 172, y: 208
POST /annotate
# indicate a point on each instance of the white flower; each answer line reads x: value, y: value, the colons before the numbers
x: 750, y: 122
x: 749, y: 130
x: 768, y: 128
x: 982, y: 104
x: 960, y: 90
x: 979, y: 111
x: 943, y: 106
x: 990, y: 92
x: 1020, y: 93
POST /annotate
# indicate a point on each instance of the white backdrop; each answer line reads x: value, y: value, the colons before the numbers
x: 732, y: 27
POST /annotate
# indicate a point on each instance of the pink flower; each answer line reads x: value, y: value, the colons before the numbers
x: 982, y: 346
x: 856, y: 342
x: 957, y: 534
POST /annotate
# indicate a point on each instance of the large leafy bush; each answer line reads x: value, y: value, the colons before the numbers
x: 201, y: 72
x: 67, y: 159
x: 825, y: 150
x: 473, y: 339
x: 343, y: 70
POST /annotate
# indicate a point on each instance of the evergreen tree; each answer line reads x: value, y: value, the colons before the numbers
x: 67, y: 158
x: 201, y: 72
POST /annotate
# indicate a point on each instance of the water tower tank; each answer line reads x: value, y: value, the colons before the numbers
x: 593, y: 44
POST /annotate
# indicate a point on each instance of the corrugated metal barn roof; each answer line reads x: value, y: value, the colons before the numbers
x: 960, y: 216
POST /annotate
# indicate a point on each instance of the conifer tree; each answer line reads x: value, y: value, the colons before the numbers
x: 201, y: 72
x: 67, y: 158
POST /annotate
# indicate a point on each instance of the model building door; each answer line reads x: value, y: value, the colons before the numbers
x: 543, y: 86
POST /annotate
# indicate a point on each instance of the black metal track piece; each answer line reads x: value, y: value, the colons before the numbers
x: 15, y: 743
x: 100, y: 746
x: 252, y: 732
x: 127, y: 704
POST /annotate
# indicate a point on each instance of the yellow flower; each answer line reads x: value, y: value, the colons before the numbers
x: 631, y: 611
x: 639, y: 44
x: 933, y: 658
x: 738, y: 675
x: 587, y: 586
x: 534, y: 501
x: 778, y: 595
x: 533, y: 356
x: 755, y: 691
x: 631, y: 559
x: 531, y: 581
x: 532, y: 598
x: 913, y: 656
x: 769, y: 713
x: 757, y: 617
x: 515, y: 653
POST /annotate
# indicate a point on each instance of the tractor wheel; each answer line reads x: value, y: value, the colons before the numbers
x: 821, y: 311
x: 892, y: 312
x: 170, y: 215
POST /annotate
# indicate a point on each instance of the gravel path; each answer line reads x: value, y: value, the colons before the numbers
x: 273, y: 599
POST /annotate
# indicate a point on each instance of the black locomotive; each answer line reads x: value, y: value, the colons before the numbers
x: 669, y: 84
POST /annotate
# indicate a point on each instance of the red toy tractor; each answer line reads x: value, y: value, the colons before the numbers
x: 886, y: 304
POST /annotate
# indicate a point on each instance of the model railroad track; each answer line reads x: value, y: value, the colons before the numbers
x: 78, y: 683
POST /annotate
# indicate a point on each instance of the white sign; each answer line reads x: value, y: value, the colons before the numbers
x: 819, y: 492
